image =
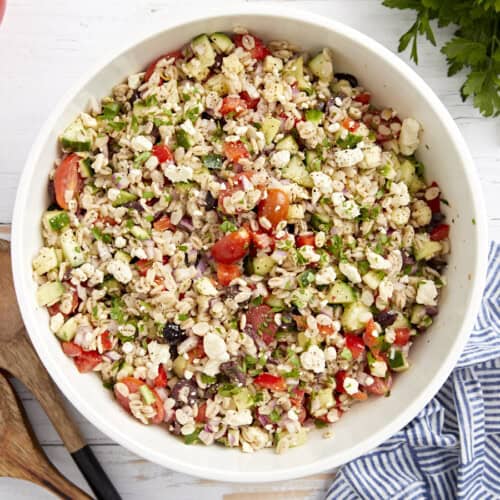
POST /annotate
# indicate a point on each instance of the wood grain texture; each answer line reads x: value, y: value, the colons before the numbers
x: 22, y: 456
x: 44, y: 46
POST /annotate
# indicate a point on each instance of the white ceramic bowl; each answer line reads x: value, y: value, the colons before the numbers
x: 448, y: 161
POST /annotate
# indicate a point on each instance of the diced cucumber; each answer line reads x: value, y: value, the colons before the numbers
x: 243, y: 399
x: 303, y: 341
x: 401, y: 322
x: 398, y: 361
x: 295, y: 69
x: 76, y: 138
x: 140, y: 233
x: 222, y: 42
x: 123, y: 256
x: 263, y: 265
x: 270, y: 127
x: 45, y: 261
x: 123, y: 198
x: 203, y: 50
x: 325, y: 397
x: 296, y: 171
x: 275, y: 302
x: 314, y: 116
x: 217, y: 84
x: 59, y: 255
x: 418, y: 313
x: 373, y: 278
x: 313, y: 161
x: 147, y: 395
x: 111, y: 285
x: 301, y: 297
x: 407, y: 174
x: 126, y: 370
x: 86, y: 168
x: 321, y: 66
x: 179, y: 366
x: 424, y: 248
x: 68, y: 330
x: 196, y: 69
x: 72, y: 251
x: 294, y: 439
x: 355, y: 316
x: 341, y: 293
x: 184, y: 139
x: 288, y: 143
x: 49, y: 293
x: 55, y: 220
x: 295, y: 211
x: 272, y: 64
x: 321, y: 222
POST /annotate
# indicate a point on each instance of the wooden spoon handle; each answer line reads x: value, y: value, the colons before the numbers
x: 41, y: 385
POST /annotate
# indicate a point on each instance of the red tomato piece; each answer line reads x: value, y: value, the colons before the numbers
x: 250, y: 102
x: 262, y: 241
x: 339, y: 380
x: 106, y: 342
x: 440, y: 232
x: 176, y: 54
x: 363, y: 98
x: 271, y: 382
x: 162, y: 153
x: 259, y: 50
x: 227, y: 273
x: 325, y: 329
x: 235, y: 151
x: 274, y: 207
x: 233, y: 105
x: 71, y: 349
x: 143, y: 266
x: 380, y: 386
x: 305, y: 239
x: 202, y: 413
x: 261, y: 320
x: 368, y: 338
x: 163, y: 223
x: 161, y: 378
x: 402, y: 336
x: 197, y: 352
x: 355, y: 344
x: 231, y: 247
x: 67, y: 179
x: 350, y: 124
x: 87, y: 361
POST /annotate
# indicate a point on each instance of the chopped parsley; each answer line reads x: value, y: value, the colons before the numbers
x: 349, y: 142
x: 228, y: 227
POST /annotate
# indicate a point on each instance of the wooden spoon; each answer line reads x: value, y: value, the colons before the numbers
x: 18, y: 357
x: 22, y: 456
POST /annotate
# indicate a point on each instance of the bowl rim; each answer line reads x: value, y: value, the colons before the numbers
x: 26, y: 303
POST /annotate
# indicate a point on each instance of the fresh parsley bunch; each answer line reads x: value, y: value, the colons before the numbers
x: 474, y: 46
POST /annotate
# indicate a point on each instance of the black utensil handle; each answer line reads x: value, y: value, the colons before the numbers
x: 98, y: 480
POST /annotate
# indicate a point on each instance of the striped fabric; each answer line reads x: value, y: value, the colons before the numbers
x: 452, y: 448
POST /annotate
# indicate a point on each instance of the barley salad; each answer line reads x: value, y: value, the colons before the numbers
x: 240, y: 243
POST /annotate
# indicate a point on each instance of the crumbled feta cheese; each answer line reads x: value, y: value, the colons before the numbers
x: 205, y: 287
x: 409, y: 136
x: 325, y: 276
x: 399, y: 190
x: 235, y: 418
x: 88, y: 121
x: 280, y: 159
x: 378, y: 368
x: 140, y: 143
x: 56, y: 322
x: 313, y: 359
x: 330, y: 353
x: 215, y: 347
x: 152, y: 162
x: 351, y: 385
x: 323, y: 182
x: 158, y: 353
x: 179, y: 173
x: 386, y: 289
x: 338, y: 199
x: 427, y: 293
x: 113, y: 194
x: 372, y: 157
x: 376, y: 261
x: 390, y: 335
x: 201, y: 328
x: 120, y: 270
x: 134, y: 81
x: 120, y: 242
x: 348, y: 157
x: 308, y: 253
x: 347, y: 209
x: 350, y: 271
x: 211, y: 367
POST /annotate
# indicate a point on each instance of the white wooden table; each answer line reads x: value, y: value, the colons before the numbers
x: 44, y: 46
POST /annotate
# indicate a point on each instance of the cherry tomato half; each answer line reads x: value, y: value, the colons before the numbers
x: 87, y: 361
x: 227, y: 273
x: 355, y: 344
x: 235, y: 151
x: 250, y: 102
x: 162, y: 152
x: 233, y: 105
x: 259, y: 50
x: 67, y: 179
x: 440, y: 232
x: 380, y: 386
x: 269, y: 381
x: 274, y: 207
x: 176, y: 54
x: 231, y: 247
x: 402, y: 336
x: 305, y: 239
x: 71, y: 349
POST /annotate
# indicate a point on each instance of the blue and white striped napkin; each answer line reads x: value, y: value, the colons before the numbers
x: 452, y: 448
